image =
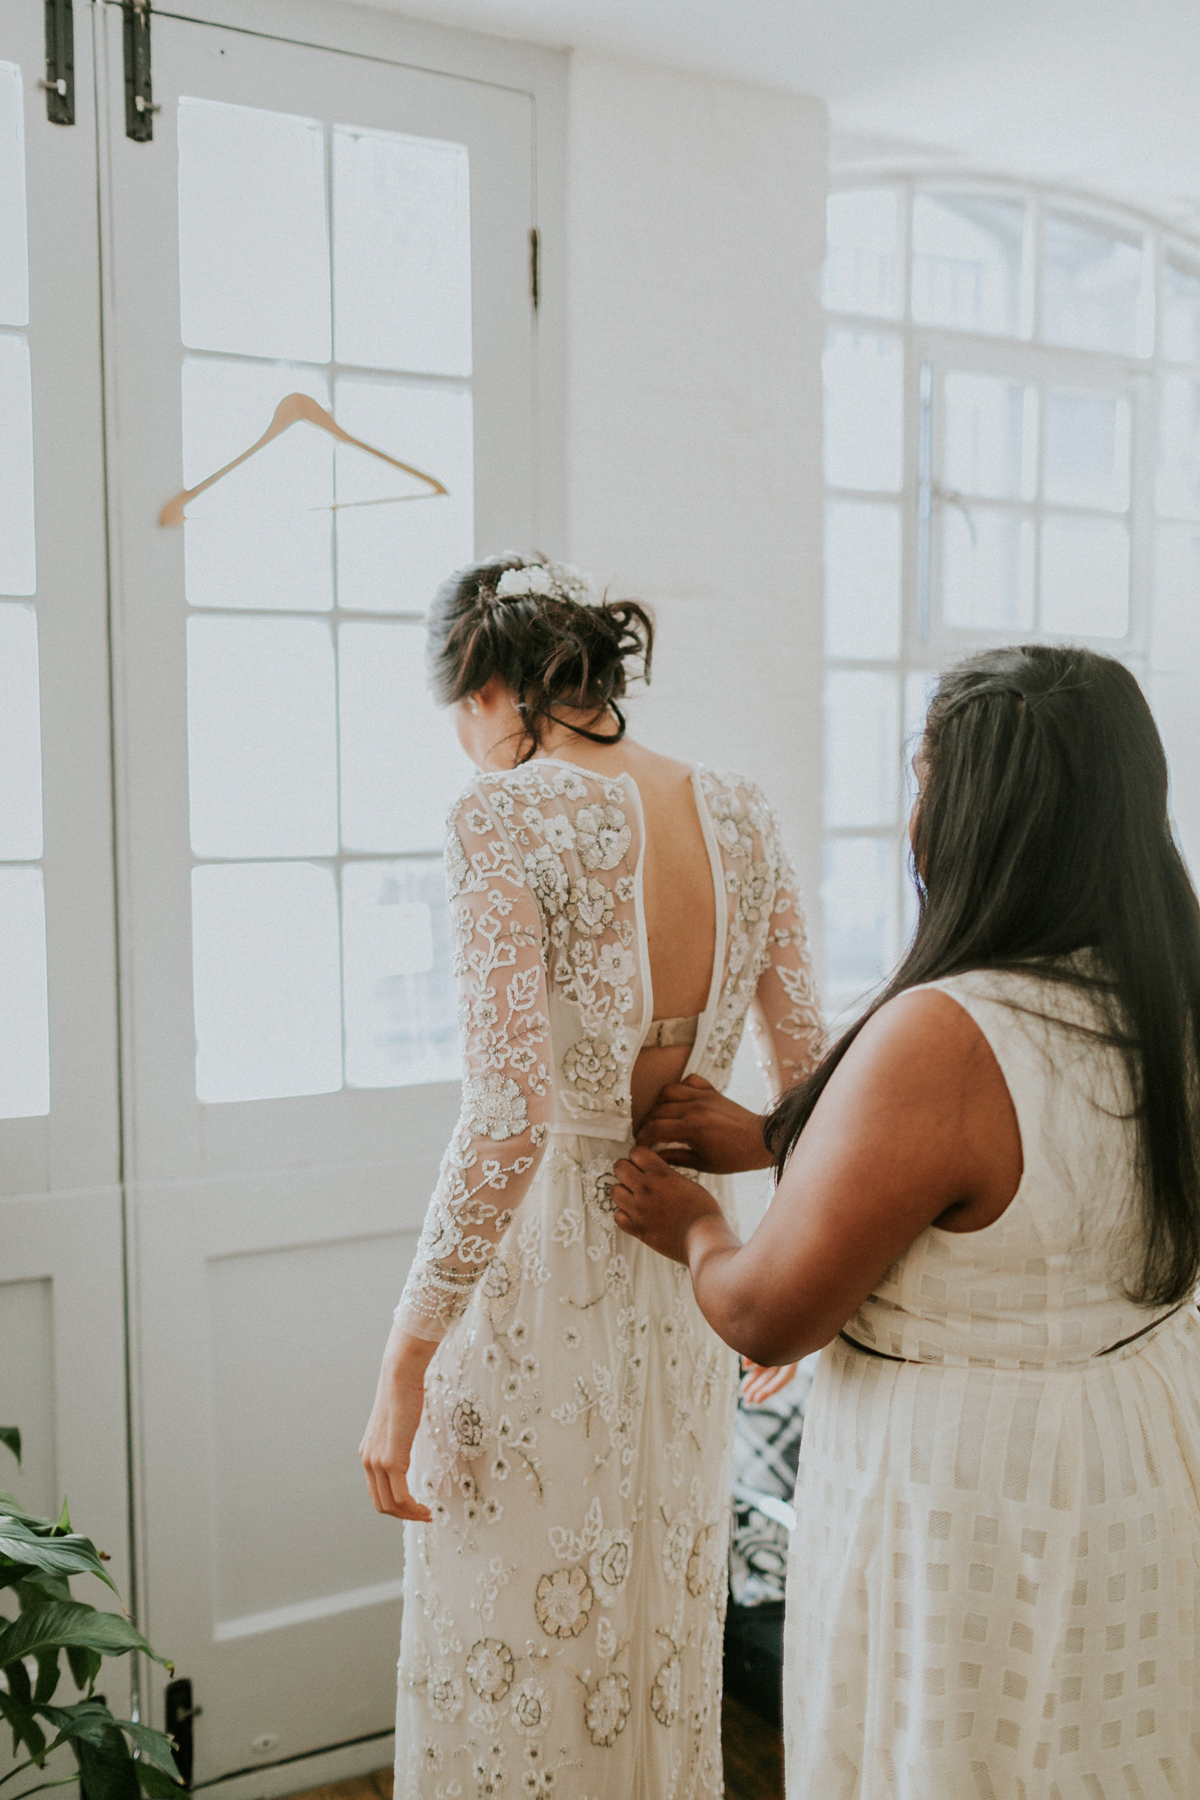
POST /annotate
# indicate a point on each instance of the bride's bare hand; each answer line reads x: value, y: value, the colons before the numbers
x: 387, y: 1443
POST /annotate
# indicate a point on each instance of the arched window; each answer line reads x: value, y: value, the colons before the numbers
x: 1012, y: 452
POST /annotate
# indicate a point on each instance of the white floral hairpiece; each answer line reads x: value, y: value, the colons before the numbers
x: 548, y: 581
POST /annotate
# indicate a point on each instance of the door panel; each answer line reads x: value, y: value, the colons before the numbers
x: 62, y: 1372
x: 357, y: 231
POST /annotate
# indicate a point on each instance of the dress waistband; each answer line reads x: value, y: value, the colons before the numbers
x: 1109, y: 1349
x: 607, y: 1129
x: 671, y: 1034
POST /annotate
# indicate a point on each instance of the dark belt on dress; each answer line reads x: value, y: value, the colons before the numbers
x: 868, y: 1350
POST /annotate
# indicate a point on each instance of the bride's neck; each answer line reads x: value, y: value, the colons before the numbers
x: 563, y: 738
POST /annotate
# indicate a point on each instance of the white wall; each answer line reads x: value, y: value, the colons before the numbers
x: 696, y: 219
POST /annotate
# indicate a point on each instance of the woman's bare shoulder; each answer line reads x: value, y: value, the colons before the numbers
x: 922, y: 1022
x: 924, y: 1051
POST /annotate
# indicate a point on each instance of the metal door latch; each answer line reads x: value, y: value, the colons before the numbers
x: 59, y: 85
x: 180, y: 1713
x: 139, y: 99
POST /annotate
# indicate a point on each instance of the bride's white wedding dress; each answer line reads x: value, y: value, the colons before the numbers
x: 563, y: 1612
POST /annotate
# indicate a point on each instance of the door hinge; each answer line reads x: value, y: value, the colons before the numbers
x: 180, y: 1713
x: 139, y: 100
x: 59, y: 84
x: 535, y: 272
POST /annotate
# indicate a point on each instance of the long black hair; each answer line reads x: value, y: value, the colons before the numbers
x: 555, y: 647
x: 1042, y: 830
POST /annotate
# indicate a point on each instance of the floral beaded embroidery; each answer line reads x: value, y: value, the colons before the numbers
x: 573, y: 1406
x: 542, y: 879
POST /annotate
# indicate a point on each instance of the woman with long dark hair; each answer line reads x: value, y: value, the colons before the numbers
x: 553, y: 1415
x: 988, y: 1209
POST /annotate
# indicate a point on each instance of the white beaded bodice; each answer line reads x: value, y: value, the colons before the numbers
x: 544, y: 870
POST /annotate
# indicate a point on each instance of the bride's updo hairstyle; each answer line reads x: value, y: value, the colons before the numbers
x: 1042, y: 845
x: 538, y: 626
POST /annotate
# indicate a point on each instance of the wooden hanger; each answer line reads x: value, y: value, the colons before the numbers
x: 290, y: 411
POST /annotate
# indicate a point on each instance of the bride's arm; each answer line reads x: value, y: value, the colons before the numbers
x: 501, y: 1132
x: 786, y: 1015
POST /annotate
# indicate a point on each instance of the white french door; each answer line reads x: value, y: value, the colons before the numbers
x: 307, y: 221
x: 62, y: 1371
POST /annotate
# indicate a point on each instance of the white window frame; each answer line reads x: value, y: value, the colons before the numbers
x: 927, y: 644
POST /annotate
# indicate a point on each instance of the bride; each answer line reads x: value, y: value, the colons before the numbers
x: 553, y: 1414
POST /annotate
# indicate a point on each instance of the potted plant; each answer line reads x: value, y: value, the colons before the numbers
x: 116, y: 1759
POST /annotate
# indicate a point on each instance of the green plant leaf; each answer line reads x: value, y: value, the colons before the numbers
x: 35, y: 1587
x: 72, y: 1555
x: 10, y: 1505
x: 10, y: 1436
x: 86, y: 1722
x: 47, y: 1677
x: 105, y: 1765
x: 13, y: 1506
x: 157, y: 1785
x: 153, y: 1747
x: 106, y: 1769
x: 90, y: 1722
x: 16, y: 1708
x: 19, y: 1689
x: 58, y: 1624
x: 84, y: 1665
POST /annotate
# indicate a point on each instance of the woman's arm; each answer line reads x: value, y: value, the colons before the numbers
x: 500, y: 1136
x: 915, y: 1127
x: 694, y: 1126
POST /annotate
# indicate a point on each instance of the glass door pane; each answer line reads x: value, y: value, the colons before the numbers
x: 310, y: 523
x: 1091, y: 283
x: 391, y: 555
x: 401, y: 252
x: 14, y: 237
x: 262, y: 538
x: 967, y: 255
x: 18, y: 555
x: 862, y: 242
x: 24, y: 1013
x: 864, y: 405
x: 862, y: 580
x: 253, y: 232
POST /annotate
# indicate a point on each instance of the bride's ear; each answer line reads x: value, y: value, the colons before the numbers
x: 493, y: 691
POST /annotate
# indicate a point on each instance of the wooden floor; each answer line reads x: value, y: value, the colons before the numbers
x: 753, y: 1765
x: 753, y: 1754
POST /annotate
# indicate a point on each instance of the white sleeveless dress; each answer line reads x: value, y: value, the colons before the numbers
x: 994, y: 1580
x: 563, y: 1612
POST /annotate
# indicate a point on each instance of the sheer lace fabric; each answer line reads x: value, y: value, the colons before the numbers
x: 562, y: 1625
x: 994, y: 1581
x: 543, y: 871
x: 507, y: 1102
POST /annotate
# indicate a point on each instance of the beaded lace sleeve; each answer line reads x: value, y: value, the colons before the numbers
x: 507, y: 1082
x: 786, y: 1017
